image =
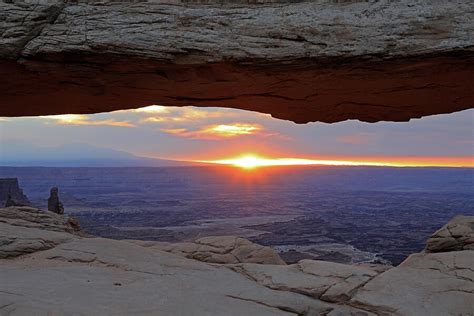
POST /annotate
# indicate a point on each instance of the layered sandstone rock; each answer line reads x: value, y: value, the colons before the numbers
x: 26, y: 230
x: 31, y: 217
x: 424, y: 284
x: 219, y: 249
x: 458, y: 234
x: 439, y: 283
x: 308, y: 61
x: 97, y: 276
x: 91, y: 276
x: 327, y: 281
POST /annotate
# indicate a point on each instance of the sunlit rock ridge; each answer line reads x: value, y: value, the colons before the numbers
x: 302, y: 61
x: 49, y: 267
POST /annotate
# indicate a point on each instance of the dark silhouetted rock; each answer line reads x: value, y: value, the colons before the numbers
x: 13, y: 202
x: 54, y: 205
x: 11, y: 194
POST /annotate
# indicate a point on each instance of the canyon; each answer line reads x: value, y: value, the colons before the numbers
x: 303, y: 61
x: 339, y: 214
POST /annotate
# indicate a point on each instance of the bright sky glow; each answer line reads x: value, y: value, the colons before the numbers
x: 152, y: 109
x: 79, y: 119
x: 229, y: 130
x: 66, y: 118
x: 251, y: 161
x: 217, y: 131
x: 220, y: 135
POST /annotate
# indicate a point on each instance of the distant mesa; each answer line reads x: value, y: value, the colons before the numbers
x: 11, y: 194
x: 77, y: 155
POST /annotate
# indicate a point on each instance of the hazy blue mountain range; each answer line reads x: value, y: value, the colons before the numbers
x: 75, y: 155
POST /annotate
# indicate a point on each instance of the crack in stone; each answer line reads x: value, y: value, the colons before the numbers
x: 6, y: 305
x: 76, y: 250
x: 37, y: 30
x: 97, y: 261
x: 11, y: 293
x: 282, y: 308
x: 276, y: 286
x: 309, y: 292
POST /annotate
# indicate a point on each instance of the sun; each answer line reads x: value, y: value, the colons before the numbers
x: 248, y: 162
x: 252, y: 161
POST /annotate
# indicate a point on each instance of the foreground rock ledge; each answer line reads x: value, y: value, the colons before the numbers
x: 309, y: 61
x: 53, y: 269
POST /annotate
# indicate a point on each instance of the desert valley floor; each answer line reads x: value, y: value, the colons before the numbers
x: 338, y: 214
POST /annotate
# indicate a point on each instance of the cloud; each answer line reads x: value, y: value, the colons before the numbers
x: 217, y: 131
x: 188, y: 122
x: 176, y: 131
x: 230, y: 130
x: 78, y: 119
x: 163, y: 119
x: 162, y: 114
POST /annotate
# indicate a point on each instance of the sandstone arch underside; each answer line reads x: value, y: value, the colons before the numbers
x: 309, y: 61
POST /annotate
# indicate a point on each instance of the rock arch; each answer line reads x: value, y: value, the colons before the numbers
x: 301, y: 61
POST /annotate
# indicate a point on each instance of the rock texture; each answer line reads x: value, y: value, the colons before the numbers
x: 221, y: 249
x: 25, y: 230
x: 327, y: 281
x: 308, y: 61
x: 97, y: 276
x: 424, y: 284
x: 458, y: 234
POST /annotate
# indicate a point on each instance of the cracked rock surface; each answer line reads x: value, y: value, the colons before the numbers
x: 306, y: 61
x: 327, y: 281
x: 222, y: 249
x: 424, y: 284
x: 26, y: 230
x: 83, y: 275
x: 458, y: 234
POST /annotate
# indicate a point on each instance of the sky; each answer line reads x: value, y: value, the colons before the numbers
x: 191, y: 133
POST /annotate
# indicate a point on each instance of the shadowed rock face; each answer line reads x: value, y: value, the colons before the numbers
x: 311, y: 61
x: 54, y: 204
x: 11, y: 193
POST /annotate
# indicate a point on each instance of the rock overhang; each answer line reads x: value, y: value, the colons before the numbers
x: 308, y: 61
